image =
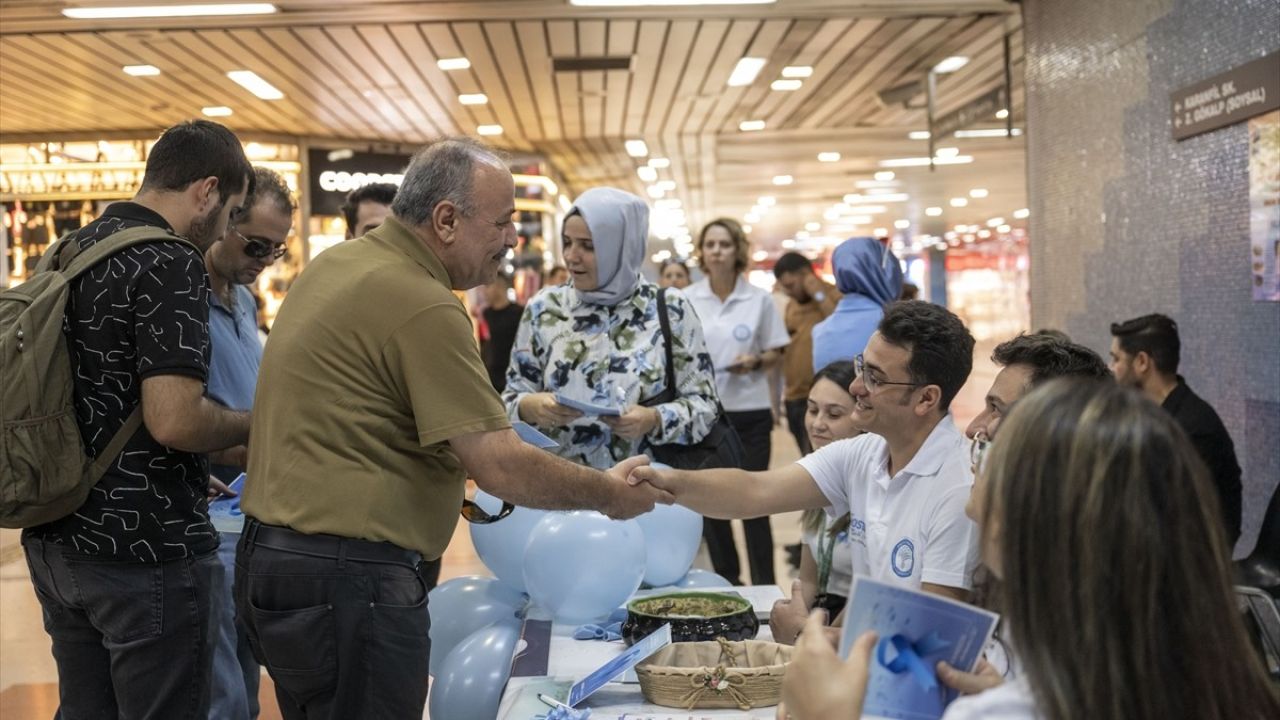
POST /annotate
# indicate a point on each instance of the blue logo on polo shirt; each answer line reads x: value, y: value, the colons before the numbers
x: 903, y: 558
x: 742, y: 333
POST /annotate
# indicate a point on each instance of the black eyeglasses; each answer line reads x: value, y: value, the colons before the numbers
x: 859, y: 368
x: 260, y: 248
x: 477, y: 515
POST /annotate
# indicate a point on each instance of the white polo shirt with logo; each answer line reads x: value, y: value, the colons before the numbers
x: 910, y: 528
x: 746, y: 323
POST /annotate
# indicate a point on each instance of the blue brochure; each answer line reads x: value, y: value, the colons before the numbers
x: 224, y: 512
x: 587, y: 408
x: 916, y: 630
x: 620, y: 664
x: 530, y: 434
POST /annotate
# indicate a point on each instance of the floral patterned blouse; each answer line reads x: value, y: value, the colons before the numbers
x: 612, y: 356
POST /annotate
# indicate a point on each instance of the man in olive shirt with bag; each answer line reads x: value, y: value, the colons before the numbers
x: 373, y: 407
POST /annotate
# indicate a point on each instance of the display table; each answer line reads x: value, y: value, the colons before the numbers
x: 570, y: 660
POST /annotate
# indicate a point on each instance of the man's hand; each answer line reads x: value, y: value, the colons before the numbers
x: 818, y: 685
x: 635, y: 423
x: 983, y: 678
x: 632, y: 498
x: 787, y: 617
x: 217, y: 488
x: 541, y: 409
x: 660, y: 479
x: 744, y: 364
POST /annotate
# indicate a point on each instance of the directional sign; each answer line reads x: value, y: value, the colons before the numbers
x: 1238, y: 94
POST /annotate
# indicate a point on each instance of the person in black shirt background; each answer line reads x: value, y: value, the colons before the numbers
x: 503, y: 319
x: 1144, y: 354
x: 126, y: 582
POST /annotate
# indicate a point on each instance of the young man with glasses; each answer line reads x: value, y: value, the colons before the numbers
x: 904, y: 482
x: 255, y: 239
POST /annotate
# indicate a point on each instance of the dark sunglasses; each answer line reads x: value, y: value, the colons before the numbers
x: 473, y: 513
x: 257, y: 248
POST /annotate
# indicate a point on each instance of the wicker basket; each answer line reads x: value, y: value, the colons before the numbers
x: 720, y: 674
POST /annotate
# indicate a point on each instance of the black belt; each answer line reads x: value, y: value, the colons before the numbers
x: 257, y: 534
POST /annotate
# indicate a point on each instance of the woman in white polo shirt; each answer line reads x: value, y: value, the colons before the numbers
x: 745, y: 335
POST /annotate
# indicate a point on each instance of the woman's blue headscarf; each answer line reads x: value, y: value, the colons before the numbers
x: 619, y: 225
x: 866, y: 266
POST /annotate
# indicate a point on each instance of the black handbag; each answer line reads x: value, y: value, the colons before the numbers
x: 721, y: 448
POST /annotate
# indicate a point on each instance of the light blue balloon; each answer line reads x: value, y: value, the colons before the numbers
x: 698, y: 578
x: 672, y: 534
x: 500, y: 544
x: 581, y: 566
x: 469, y: 686
x: 463, y: 605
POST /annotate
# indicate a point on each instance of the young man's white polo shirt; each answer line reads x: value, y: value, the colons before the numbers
x: 910, y: 528
x: 745, y: 323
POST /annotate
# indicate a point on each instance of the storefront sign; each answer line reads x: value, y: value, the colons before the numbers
x: 332, y: 180
x: 1233, y: 96
x: 977, y: 110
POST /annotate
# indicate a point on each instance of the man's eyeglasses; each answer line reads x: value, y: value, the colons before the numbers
x: 259, y: 248
x: 473, y: 513
x: 978, y: 451
x: 859, y: 368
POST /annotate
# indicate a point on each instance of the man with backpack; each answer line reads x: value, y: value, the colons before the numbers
x: 127, y: 578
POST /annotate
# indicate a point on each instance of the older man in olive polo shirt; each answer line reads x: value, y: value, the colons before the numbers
x: 374, y: 406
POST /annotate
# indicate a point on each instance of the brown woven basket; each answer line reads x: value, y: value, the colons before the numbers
x: 720, y: 674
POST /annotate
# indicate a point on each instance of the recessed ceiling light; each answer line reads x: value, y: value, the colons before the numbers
x: 880, y: 232
x: 782, y: 179
x: 647, y: 174
x: 668, y: 204
x: 995, y: 221
x: 751, y: 125
x: 489, y: 130
x: 636, y: 3
x: 1002, y: 114
x: 473, y: 99
x: 141, y: 70
x: 984, y: 233
x: 659, y: 162
x: 785, y: 85
x: 766, y: 201
x: 946, y: 152
x: 797, y: 71
x: 751, y: 217
x: 745, y: 72
x: 813, y: 226
x: 790, y: 244
x: 1022, y: 214
x: 951, y: 64
x: 828, y: 157
x: 249, y: 80
x: 933, y: 211
x: 154, y: 11
x: 918, y: 135
x: 667, y: 185
x: 637, y: 148
x: 865, y: 209
x: 456, y: 63
x: 978, y: 193
x: 655, y: 192
x: 1003, y: 228
x: 831, y: 214
x: 924, y: 161
x: 902, y: 224
x: 959, y: 202
x: 987, y: 133
x: 216, y: 111
x: 747, y: 229
x: 884, y: 176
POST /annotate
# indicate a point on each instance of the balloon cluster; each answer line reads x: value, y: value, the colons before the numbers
x: 578, y: 566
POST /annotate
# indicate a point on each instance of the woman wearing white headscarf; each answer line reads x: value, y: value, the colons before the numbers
x: 598, y: 342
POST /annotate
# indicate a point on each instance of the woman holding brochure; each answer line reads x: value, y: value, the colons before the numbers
x: 1099, y: 519
x: 587, y: 354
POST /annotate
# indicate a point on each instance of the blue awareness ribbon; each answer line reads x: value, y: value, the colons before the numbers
x: 565, y: 713
x: 911, y: 657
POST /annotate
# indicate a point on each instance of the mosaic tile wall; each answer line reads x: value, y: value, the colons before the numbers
x: 1126, y: 221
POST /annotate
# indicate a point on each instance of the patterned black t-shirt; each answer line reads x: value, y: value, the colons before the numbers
x: 142, y: 312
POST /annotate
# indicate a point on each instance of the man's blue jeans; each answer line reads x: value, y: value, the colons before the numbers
x: 130, y: 639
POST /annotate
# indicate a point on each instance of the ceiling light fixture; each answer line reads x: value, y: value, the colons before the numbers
x: 880, y: 232
x: 766, y: 201
x: 658, y: 162
x: 655, y: 192
x: 865, y: 209
x: 951, y: 64
x: 1002, y: 114
x: 641, y: 3
x: 828, y: 157
x: 156, y: 11
x: 141, y: 70
x: 813, y: 226
x: 473, y: 99
x: 918, y: 135
x: 993, y: 222
x: 1003, y: 229
x: 751, y: 125
x: 219, y: 111
x: 884, y: 176
x: 647, y: 174
x: 933, y: 211
x: 489, y: 130
x: 797, y: 71
x: 745, y: 72
x: 751, y: 218
x: 455, y: 63
x: 251, y: 81
x: 902, y: 224
x: 667, y: 185
x: 978, y: 193
x: 786, y: 85
x: 1022, y: 214
x: 637, y: 148
x: 946, y: 152
x: 782, y: 179
x: 924, y: 161
x: 959, y: 202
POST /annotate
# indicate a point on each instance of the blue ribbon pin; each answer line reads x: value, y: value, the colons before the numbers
x: 911, y: 657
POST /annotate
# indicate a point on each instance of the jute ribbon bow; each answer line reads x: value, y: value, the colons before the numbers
x: 718, y: 681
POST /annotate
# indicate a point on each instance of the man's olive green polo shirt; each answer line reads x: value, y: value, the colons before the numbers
x: 369, y: 370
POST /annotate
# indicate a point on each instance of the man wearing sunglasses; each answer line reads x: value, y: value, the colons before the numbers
x: 254, y: 240
x: 373, y: 410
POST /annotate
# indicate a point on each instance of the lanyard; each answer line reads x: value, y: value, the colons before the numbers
x: 826, y: 550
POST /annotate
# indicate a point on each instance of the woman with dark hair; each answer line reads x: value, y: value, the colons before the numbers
x: 745, y: 335
x: 673, y: 273
x: 826, y: 564
x: 598, y: 341
x: 1104, y: 528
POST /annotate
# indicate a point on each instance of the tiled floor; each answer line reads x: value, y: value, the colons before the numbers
x: 28, y: 679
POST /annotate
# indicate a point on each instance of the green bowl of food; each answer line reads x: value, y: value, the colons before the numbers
x: 693, y: 616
